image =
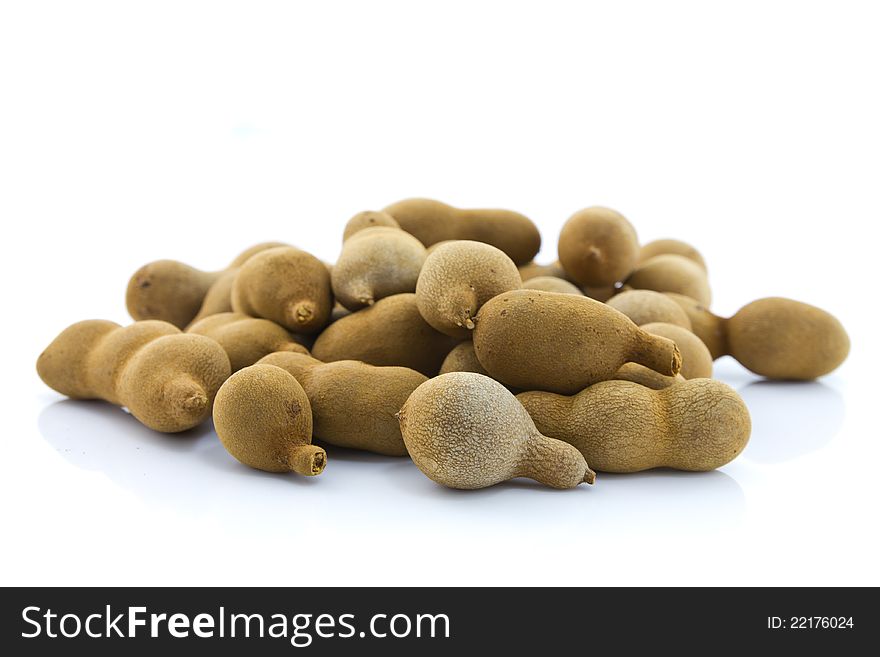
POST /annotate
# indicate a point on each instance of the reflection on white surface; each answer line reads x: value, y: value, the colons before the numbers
x: 192, y: 474
x: 381, y: 511
x: 790, y: 418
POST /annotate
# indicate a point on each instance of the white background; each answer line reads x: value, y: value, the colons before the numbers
x: 136, y: 131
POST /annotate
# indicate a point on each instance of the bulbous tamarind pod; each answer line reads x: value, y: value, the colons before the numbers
x: 263, y: 418
x: 170, y: 384
x: 165, y: 378
x: 647, y: 306
x: 168, y: 290
x: 432, y: 221
x: 390, y: 332
x: 462, y: 358
x: 552, y: 284
x: 598, y: 247
x: 785, y: 339
x: 458, y: 278
x: 465, y: 430
x: 247, y: 339
x: 602, y: 294
x: 87, y: 358
x: 775, y: 337
x: 645, y: 376
x: 250, y: 252
x: 533, y: 270
x: 674, y: 247
x: 710, y: 328
x: 437, y: 245
x: 562, y: 343
x: 696, y: 361
x: 288, y: 286
x: 353, y: 404
x: 339, y: 311
x: 376, y: 263
x: 174, y: 292
x: 368, y: 219
x: 218, y: 299
x: 672, y: 273
x: 64, y: 365
x: 621, y: 426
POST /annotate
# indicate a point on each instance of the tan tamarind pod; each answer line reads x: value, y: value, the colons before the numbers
x: 432, y: 221
x: 457, y: 279
x: 560, y: 342
x: 647, y: 306
x: 601, y: 293
x: 437, y: 245
x: 173, y: 291
x: 784, y: 339
x: 250, y: 252
x: 776, y: 338
x: 390, y: 332
x: 534, y: 270
x: 247, y: 339
x: 462, y: 358
x: 263, y: 418
x: 339, y: 311
x: 376, y: 263
x: 170, y: 383
x: 621, y: 426
x: 219, y: 296
x: 696, y: 361
x: 710, y: 328
x: 465, y: 430
x: 551, y: 284
x: 598, y: 247
x: 168, y: 290
x: 354, y: 405
x: 167, y: 379
x: 288, y: 286
x: 676, y: 247
x: 645, y: 376
x: 368, y: 219
x: 218, y: 299
x: 672, y: 273
x: 86, y: 360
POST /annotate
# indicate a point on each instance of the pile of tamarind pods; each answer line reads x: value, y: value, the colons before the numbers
x: 436, y: 336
